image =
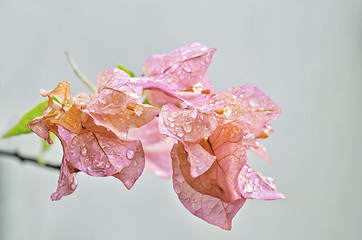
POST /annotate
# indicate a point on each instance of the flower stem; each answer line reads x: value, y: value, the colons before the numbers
x: 79, y: 74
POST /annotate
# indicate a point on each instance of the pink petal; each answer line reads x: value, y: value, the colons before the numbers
x: 156, y: 146
x: 221, y: 178
x: 183, y: 67
x: 263, y: 111
x: 253, y: 185
x: 118, y: 111
x: 147, y: 133
x: 98, y: 152
x: 118, y: 80
x: 230, y: 108
x: 101, y: 153
x: 189, y: 125
x: 200, y: 160
x: 158, y: 159
x: 255, y: 146
x: 67, y: 182
x: 209, y: 208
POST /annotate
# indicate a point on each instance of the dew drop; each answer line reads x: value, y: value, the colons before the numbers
x: 269, y: 179
x: 84, y: 151
x: 138, y: 110
x: 73, y: 186
x: 243, y: 154
x: 102, y: 100
x: 134, y: 95
x: 187, y: 69
x: 187, y: 127
x: 171, y: 119
x: 180, y: 134
x: 108, y: 165
x: 174, y: 114
x: 250, y: 170
x: 194, y: 114
x: 177, y: 188
x: 130, y: 154
x: 197, y: 88
x: 227, y: 112
x: 248, y: 188
x: 172, y: 125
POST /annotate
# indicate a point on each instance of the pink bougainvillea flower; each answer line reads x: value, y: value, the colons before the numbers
x: 87, y: 147
x: 210, y: 159
x: 183, y: 70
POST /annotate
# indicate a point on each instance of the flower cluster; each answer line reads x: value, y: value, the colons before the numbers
x: 173, y: 121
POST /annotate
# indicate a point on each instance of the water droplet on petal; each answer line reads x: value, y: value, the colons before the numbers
x: 102, y: 100
x: 108, y: 165
x: 248, y: 188
x: 172, y: 125
x: 177, y: 188
x: 138, y: 110
x: 171, y: 119
x: 133, y: 95
x: 84, y: 151
x: 197, y: 88
x: 270, y: 180
x: 73, y: 185
x: 187, y: 127
x: 130, y: 154
x: 174, y: 114
x: 180, y: 134
x: 194, y: 114
x: 227, y: 112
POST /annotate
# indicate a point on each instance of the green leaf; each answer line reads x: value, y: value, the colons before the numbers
x: 21, y: 127
x: 129, y: 72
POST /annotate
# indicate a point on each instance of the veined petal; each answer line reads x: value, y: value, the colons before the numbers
x: 67, y: 182
x: 210, y: 209
x: 157, y: 148
x: 183, y: 67
x: 254, y: 145
x: 253, y: 185
x: 189, y: 125
x: 263, y: 111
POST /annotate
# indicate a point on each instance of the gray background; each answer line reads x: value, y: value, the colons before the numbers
x: 306, y: 55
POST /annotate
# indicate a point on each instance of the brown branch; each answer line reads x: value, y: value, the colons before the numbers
x: 23, y: 158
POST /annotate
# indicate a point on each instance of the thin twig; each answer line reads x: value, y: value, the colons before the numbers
x: 27, y: 159
x: 79, y: 74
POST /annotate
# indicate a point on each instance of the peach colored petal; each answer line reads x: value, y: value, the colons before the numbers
x: 65, y: 113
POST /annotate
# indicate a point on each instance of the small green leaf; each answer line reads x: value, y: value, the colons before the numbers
x: 21, y: 127
x: 126, y: 70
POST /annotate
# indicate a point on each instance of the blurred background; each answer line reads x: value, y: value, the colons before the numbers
x: 306, y: 55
